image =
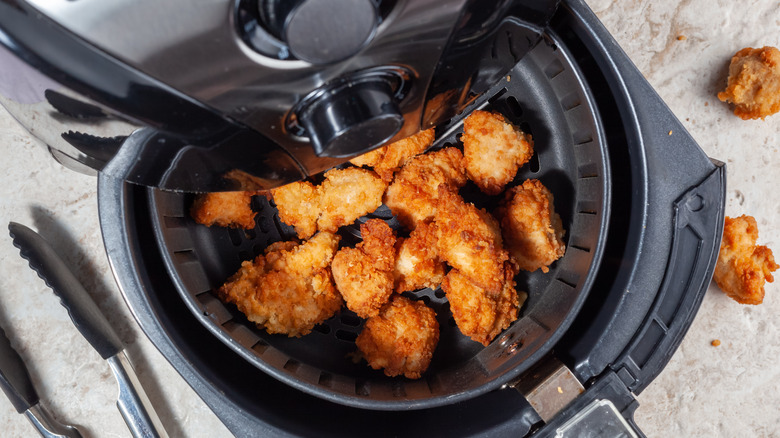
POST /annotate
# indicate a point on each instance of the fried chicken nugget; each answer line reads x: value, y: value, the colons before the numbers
x: 413, y: 195
x: 388, y: 159
x: 493, y: 150
x: 479, y: 315
x: 532, y: 230
x: 225, y: 209
x: 347, y: 194
x: 364, y: 274
x: 289, y: 289
x: 743, y: 266
x: 298, y: 204
x: 417, y: 261
x: 401, y: 338
x: 469, y: 239
x: 754, y: 83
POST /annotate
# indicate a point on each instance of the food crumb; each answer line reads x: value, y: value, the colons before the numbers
x: 560, y: 391
x: 681, y: 37
x: 508, y: 78
x: 670, y: 132
x: 715, y: 342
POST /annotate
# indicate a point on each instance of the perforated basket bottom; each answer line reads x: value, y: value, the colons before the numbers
x: 545, y: 96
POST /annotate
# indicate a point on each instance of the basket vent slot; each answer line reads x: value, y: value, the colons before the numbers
x: 553, y: 69
x: 362, y: 388
x: 346, y: 335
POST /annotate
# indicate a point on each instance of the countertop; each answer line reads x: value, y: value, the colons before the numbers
x: 683, y: 49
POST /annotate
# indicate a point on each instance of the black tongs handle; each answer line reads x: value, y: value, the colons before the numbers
x: 14, y: 378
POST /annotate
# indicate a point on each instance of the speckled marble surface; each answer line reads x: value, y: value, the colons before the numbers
x: 725, y: 391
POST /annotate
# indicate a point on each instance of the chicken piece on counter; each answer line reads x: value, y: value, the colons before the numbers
x: 347, y: 194
x: 298, y: 204
x: 417, y: 261
x: 289, y: 289
x: 413, y: 197
x: 364, y: 274
x: 754, y: 83
x: 493, y: 150
x: 388, y: 159
x: 479, y: 315
x: 532, y: 230
x: 224, y: 209
x: 469, y: 240
x: 401, y: 338
x: 344, y: 196
x: 743, y: 266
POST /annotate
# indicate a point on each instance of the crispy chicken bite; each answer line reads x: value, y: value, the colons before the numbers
x: 347, y: 194
x: 388, y: 159
x: 299, y: 206
x: 401, y: 338
x: 417, y: 261
x: 413, y: 196
x: 289, y: 289
x: 225, y: 209
x: 754, y: 83
x: 469, y: 240
x: 364, y: 274
x: 531, y: 228
x: 493, y: 150
x: 479, y: 315
x: 743, y: 266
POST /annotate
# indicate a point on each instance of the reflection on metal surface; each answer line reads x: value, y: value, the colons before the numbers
x: 549, y: 387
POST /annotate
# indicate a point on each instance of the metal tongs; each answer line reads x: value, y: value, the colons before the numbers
x: 132, y: 401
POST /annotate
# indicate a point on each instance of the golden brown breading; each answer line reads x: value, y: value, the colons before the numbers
x: 531, y: 228
x: 225, y: 209
x: 754, y: 83
x: 493, y: 150
x: 417, y: 262
x: 388, y: 159
x: 299, y: 206
x: 288, y: 290
x: 401, y: 338
x: 364, y: 274
x: 478, y: 314
x: 347, y: 194
x: 469, y: 239
x: 743, y: 266
x: 413, y: 195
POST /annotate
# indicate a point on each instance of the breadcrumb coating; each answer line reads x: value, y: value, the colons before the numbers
x: 754, y: 83
x: 493, y: 150
x: 532, y: 230
x: 469, y: 240
x: 388, y: 159
x: 224, y: 209
x: 298, y: 204
x: 364, y: 274
x: 347, y: 194
x: 479, y: 315
x: 743, y: 267
x: 417, y: 261
x: 344, y: 196
x: 413, y: 195
x: 401, y: 338
x: 289, y: 289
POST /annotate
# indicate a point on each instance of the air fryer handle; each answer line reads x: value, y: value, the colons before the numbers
x: 698, y: 224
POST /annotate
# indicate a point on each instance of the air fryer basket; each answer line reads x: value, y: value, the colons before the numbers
x: 545, y: 95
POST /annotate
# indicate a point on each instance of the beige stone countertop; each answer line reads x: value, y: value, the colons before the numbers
x: 726, y: 391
